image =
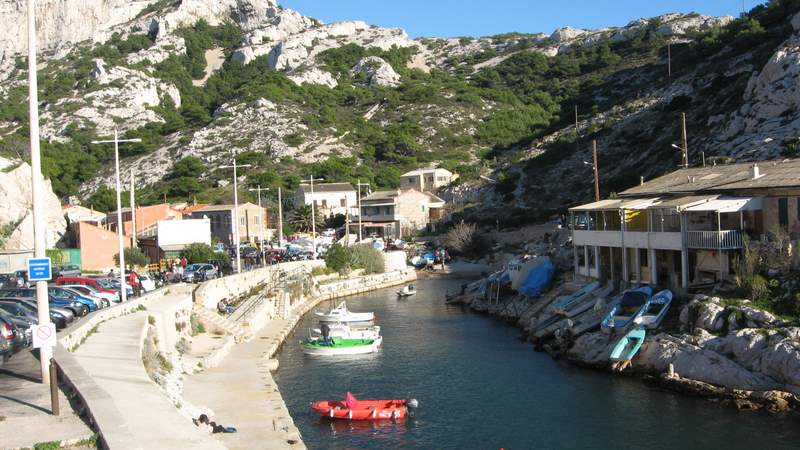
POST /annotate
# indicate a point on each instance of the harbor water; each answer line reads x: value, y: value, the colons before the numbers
x: 480, y: 387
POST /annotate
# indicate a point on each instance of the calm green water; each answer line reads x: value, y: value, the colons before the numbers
x: 480, y: 387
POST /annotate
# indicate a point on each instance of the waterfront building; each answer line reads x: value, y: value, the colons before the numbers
x: 394, y: 214
x: 329, y: 198
x: 221, y: 220
x: 427, y: 180
x: 686, y: 228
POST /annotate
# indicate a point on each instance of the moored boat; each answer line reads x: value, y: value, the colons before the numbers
x: 631, y: 304
x: 627, y: 347
x: 337, y: 347
x: 655, y: 310
x: 407, y: 291
x: 352, y: 409
x: 338, y: 330
x: 340, y: 314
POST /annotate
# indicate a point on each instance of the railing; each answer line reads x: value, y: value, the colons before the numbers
x: 713, y: 240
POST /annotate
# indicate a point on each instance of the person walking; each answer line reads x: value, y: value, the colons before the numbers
x: 133, y: 280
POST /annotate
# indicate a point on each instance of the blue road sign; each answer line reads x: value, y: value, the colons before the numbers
x: 39, y: 269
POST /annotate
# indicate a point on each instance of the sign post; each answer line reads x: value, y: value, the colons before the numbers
x: 39, y: 269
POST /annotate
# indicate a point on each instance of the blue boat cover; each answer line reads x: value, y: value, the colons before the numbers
x: 538, y: 279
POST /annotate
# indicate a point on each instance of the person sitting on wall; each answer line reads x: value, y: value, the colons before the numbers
x: 211, y: 427
x: 224, y: 307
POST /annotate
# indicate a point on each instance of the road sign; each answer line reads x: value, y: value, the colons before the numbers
x: 44, y: 335
x: 39, y: 269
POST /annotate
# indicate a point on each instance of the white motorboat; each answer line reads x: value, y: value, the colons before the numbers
x: 407, y: 291
x: 343, y: 331
x: 340, y: 314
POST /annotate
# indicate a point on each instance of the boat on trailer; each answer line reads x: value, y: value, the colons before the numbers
x: 352, y: 409
x: 339, y: 346
x: 341, y: 314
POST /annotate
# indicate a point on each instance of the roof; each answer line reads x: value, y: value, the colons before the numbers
x: 723, y: 178
x: 617, y: 203
x: 724, y: 205
x: 214, y: 208
x: 326, y: 187
x: 390, y: 197
x: 424, y: 171
x: 192, y: 208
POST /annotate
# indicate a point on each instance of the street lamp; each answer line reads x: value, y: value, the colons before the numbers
x: 260, y: 223
x: 311, y: 181
x: 236, y: 210
x: 684, y: 154
x: 123, y: 291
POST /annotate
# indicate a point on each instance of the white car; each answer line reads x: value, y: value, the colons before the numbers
x: 147, y: 283
x: 89, y: 290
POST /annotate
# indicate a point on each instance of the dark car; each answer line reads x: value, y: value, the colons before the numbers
x: 17, y: 338
x: 7, y: 280
x: 78, y: 308
x: 23, y: 324
x: 23, y: 307
x: 224, y: 267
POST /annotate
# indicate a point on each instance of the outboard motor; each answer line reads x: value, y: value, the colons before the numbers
x: 326, y: 332
x: 412, y: 403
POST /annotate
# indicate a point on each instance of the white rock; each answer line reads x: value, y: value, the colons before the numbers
x: 99, y: 71
x: 566, y: 34
x: 314, y: 75
x: 377, y: 71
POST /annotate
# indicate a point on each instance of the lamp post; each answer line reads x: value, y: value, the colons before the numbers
x: 236, y: 210
x: 260, y: 223
x: 596, y: 171
x: 123, y: 291
x: 311, y: 181
x: 280, y: 218
x: 360, y: 226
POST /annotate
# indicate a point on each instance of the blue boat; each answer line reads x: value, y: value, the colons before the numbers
x: 567, y: 302
x: 630, y: 306
x: 628, y: 346
x: 655, y: 309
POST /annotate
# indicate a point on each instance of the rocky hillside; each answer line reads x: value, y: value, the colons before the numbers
x: 199, y: 79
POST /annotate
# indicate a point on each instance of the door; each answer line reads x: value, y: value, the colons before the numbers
x: 783, y: 212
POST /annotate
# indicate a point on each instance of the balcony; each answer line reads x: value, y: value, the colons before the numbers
x: 716, y: 240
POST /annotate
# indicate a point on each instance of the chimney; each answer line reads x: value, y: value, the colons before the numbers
x: 755, y: 172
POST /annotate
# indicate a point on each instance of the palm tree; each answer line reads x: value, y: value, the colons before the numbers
x: 300, y: 219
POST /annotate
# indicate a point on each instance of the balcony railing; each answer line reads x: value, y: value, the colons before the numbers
x: 713, y: 240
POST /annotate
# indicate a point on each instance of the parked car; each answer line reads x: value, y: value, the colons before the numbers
x: 77, y: 308
x: 7, y: 280
x: 90, y: 290
x: 6, y: 336
x: 59, y: 292
x: 17, y: 338
x: 224, y: 267
x: 58, y: 316
x: 113, y: 284
x: 99, y: 301
x: 195, y: 273
x: 23, y: 324
x: 67, y: 270
x: 91, y: 282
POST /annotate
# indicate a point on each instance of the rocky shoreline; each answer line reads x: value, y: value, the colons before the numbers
x: 736, y: 355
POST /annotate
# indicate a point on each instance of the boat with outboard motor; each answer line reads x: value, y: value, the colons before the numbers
x: 339, y: 330
x: 340, y: 314
x: 340, y: 346
x: 353, y: 409
x: 407, y: 291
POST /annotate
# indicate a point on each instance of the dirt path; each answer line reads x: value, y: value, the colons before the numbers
x: 214, y: 60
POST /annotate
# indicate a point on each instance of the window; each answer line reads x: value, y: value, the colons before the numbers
x: 423, y: 208
x: 324, y: 203
x: 255, y: 220
x: 387, y: 210
x: 410, y: 180
x: 343, y: 202
x: 783, y: 212
x: 242, y: 221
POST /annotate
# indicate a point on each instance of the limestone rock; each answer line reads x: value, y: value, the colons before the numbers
x: 16, y: 213
x: 314, y: 76
x: 708, y: 315
x: 99, y: 71
x: 758, y: 317
x: 566, y: 34
x: 377, y: 72
x: 680, y: 24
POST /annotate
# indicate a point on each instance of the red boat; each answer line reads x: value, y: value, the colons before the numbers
x: 353, y: 409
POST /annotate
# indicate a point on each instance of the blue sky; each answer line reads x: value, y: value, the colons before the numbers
x: 447, y: 18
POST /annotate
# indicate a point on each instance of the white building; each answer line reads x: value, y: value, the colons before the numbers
x: 329, y: 198
x: 427, y: 180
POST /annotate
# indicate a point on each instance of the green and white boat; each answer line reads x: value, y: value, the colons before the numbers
x: 340, y: 346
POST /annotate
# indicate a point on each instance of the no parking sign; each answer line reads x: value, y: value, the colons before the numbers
x: 44, y: 335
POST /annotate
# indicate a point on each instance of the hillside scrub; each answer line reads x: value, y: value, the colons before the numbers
x: 346, y: 259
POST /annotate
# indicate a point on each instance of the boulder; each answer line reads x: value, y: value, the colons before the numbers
x: 377, y: 71
x: 757, y: 317
x: 314, y: 76
x: 567, y: 34
x: 707, y: 315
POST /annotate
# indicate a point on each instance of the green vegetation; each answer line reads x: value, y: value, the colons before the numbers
x: 345, y: 259
x: 133, y: 257
x: 202, y: 253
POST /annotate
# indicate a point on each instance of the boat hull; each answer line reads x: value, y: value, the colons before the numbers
x: 369, y: 346
x: 350, y: 333
x: 364, y: 410
x: 628, y: 346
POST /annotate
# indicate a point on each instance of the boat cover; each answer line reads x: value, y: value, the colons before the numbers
x: 538, y: 278
x: 350, y: 400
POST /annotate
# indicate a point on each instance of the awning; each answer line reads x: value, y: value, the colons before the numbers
x: 681, y: 203
x: 617, y: 204
x: 728, y: 205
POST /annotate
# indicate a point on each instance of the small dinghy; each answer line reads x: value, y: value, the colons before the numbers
x: 631, y: 304
x: 342, y: 331
x: 407, y: 291
x: 340, y: 314
x: 353, y: 409
x: 627, y: 347
x: 654, y: 310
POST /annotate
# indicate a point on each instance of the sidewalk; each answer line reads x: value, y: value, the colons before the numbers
x: 25, y: 417
x: 243, y: 394
x: 112, y: 357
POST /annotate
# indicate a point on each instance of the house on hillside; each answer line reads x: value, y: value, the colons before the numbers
x: 329, y: 198
x: 427, y: 180
x: 146, y: 216
x: 221, y: 219
x: 394, y: 214
x: 97, y: 246
x: 686, y: 228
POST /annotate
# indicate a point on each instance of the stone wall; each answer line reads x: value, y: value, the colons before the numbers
x: 395, y: 261
x: 230, y: 287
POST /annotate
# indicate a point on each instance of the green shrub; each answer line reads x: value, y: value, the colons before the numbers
x: 133, y: 257
x: 338, y: 258
x: 367, y: 258
x: 757, y: 287
x: 198, y: 253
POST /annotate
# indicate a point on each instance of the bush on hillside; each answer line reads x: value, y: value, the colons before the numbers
x: 344, y: 259
x: 198, y: 253
x: 464, y: 239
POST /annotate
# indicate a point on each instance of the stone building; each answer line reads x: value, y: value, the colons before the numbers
x: 394, y: 214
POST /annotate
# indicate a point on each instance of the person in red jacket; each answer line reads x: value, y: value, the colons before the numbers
x: 133, y: 280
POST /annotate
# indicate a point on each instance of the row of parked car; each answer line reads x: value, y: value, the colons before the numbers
x: 70, y: 297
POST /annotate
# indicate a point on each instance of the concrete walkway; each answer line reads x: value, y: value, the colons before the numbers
x: 25, y: 417
x: 242, y: 394
x: 112, y: 357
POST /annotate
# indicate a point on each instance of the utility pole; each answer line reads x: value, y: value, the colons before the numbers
x: 123, y: 290
x: 669, y: 61
x: 311, y: 181
x: 577, y: 135
x: 360, y: 226
x: 236, y: 210
x: 685, y: 141
x: 39, y: 239
x: 280, y: 218
x: 596, y: 172
x: 260, y: 223
x: 346, y: 222
x: 133, y: 211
